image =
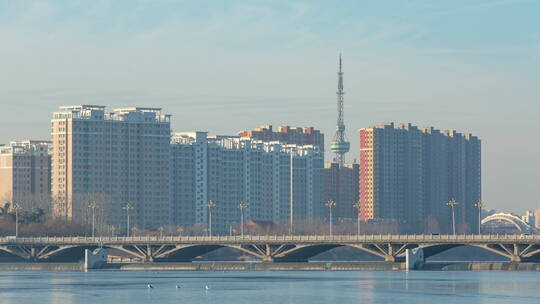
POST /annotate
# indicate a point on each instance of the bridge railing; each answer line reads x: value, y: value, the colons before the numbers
x: 270, y: 238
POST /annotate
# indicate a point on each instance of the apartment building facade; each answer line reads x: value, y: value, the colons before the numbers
x: 25, y: 173
x: 410, y: 174
x: 341, y: 186
x: 229, y: 170
x: 114, y: 158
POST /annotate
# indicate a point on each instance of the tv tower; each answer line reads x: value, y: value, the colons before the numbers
x: 340, y: 145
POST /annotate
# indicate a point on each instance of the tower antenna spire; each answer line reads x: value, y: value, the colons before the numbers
x: 340, y: 62
x: 340, y: 146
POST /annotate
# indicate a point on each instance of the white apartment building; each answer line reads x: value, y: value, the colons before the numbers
x: 229, y: 170
x: 113, y: 158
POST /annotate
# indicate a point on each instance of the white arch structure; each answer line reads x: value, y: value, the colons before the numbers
x: 512, y: 219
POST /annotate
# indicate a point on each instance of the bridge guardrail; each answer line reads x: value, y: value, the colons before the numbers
x: 274, y: 238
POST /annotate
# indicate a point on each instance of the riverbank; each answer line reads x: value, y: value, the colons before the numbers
x: 319, y: 266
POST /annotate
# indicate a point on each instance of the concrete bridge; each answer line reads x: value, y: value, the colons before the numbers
x: 392, y: 248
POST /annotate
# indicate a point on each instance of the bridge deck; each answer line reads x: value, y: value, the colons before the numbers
x: 276, y: 239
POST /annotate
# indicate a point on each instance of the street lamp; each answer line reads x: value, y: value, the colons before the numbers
x: 242, y: 206
x: 93, y: 206
x: 291, y: 196
x: 357, y: 206
x: 330, y: 205
x: 17, y: 208
x: 479, y: 205
x: 453, y: 204
x: 128, y: 207
x: 230, y: 224
x: 210, y: 205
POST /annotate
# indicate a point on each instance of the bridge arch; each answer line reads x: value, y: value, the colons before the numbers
x: 514, y: 252
x: 303, y: 252
x: 509, y: 218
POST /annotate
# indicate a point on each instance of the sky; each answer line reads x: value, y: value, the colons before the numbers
x: 226, y: 66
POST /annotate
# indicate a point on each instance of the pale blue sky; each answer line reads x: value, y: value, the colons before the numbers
x: 224, y: 66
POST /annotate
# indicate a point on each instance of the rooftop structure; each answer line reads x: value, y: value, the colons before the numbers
x: 129, y: 114
x: 287, y: 135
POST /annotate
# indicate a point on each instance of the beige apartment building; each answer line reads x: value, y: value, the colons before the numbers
x: 537, y: 218
x: 410, y: 174
x: 114, y: 159
x: 25, y: 173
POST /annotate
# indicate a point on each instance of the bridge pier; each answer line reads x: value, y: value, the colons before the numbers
x: 149, y: 257
x: 413, y: 258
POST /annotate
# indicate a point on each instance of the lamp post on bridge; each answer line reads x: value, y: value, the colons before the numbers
x: 161, y: 229
x: 242, y: 206
x: 17, y: 208
x: 479, y: 205
x: 128, y: 207
x: 93, y: 206
x: 452, y: 203
x: 210, y: 205
x: 330, y: 205
x: 357, y: 206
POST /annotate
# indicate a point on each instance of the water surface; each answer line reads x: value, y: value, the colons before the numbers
x: 101, y: 287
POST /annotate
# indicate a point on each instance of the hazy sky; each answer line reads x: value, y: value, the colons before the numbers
x: 224, y: 66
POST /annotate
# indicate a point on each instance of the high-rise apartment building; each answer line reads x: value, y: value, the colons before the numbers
x: 229, y: 170
x: 529, y: 218
x: 287, y: 135
x: 410, y: 175
x: 341, y: 186
x: 25, y: 172
x: 537, y: 218
x: 114, y: 158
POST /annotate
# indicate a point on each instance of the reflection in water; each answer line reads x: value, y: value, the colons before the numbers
x: 61, y: 288
x: 297, y: 287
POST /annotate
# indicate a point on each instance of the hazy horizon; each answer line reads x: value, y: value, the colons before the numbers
x: 227, y: 66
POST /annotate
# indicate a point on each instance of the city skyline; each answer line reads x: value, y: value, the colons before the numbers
x: 292, y: 151
x: 131, y: 156
x: 483, y: 85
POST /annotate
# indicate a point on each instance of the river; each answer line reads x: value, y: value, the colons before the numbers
x: 101, y: 287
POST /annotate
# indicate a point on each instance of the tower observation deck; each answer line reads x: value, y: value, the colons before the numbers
x: 340, y: 146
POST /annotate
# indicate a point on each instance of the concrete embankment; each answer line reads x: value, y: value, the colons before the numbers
x: 461, y: 266
x: 454, y: 266
x: 261, y: 266
x: 41, y: 267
